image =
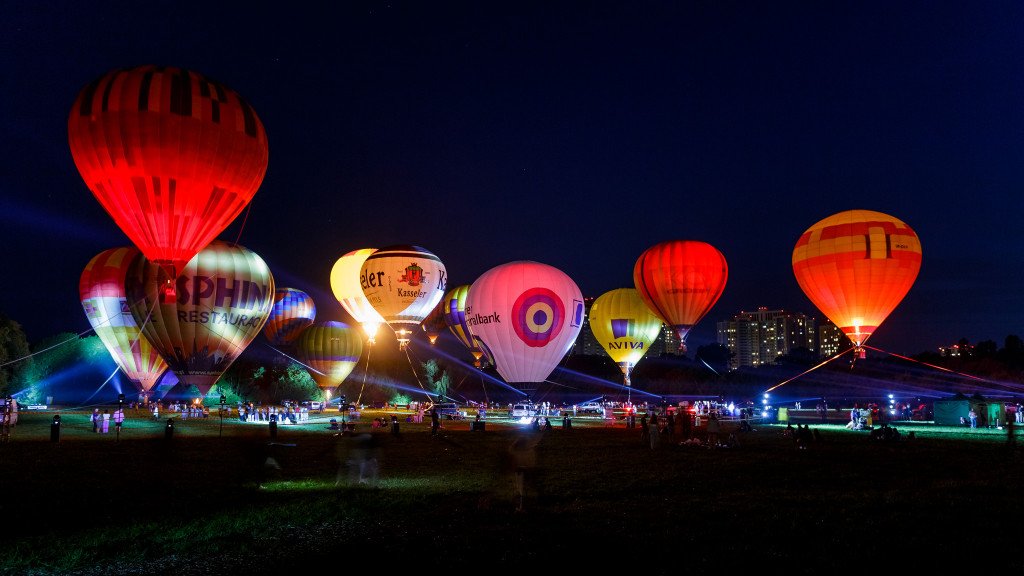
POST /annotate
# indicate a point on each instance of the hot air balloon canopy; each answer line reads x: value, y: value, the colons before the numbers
x: 528, y: 315
x: 223, y: 299
x: 348, y: 291
x: 624, y: 327
x: 293, y: 311
x: 453, y: 307
x: 103, y: 297
x: 403, y: 284
x: 856, y: 266
x: 680, y: 281
x: 171, y: 155
x: 331, y: 350
x: 434, y: 323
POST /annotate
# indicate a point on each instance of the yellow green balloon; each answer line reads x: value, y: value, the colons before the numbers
x: 624, y: 326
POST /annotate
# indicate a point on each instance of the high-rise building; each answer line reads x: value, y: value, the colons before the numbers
x: 586, y: 344
x: 831, y: 340
x: 759, y: 338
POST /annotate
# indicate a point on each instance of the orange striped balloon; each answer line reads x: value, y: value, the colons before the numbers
x: 856, y: 266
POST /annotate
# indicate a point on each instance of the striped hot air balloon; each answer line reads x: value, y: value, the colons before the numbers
x: 856, y: 266
x: 680, y: 281
x: 293, y: 311
x: 331, y: 351
x: 171, y: 155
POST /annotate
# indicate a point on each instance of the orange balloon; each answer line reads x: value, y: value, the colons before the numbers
x: 856, y: 266
x: 680, y: 280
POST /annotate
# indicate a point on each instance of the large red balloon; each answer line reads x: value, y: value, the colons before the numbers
x: 172, y: 156
x: 680, y: 280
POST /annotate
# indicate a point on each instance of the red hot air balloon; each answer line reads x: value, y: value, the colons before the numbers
x: 856, y: 266
x: 224, y: 296
x: 680, y: 280
x: 101, y: 289
x: 293, y: 312
x: 172, y: 156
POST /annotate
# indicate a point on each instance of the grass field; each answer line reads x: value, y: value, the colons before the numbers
x: 597, y: 499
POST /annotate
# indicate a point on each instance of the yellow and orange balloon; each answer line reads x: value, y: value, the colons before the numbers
x: 856, y: 266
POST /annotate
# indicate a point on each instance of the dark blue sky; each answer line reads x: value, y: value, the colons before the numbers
x: 576, y: 134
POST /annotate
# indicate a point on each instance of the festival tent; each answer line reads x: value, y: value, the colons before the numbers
x: 948, y: 412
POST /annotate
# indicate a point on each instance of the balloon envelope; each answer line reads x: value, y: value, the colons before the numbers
x: 680, y: 280
x: 331, y: 349
x: 624, y: 326
x: 403, y: 284
x: 101, y: 289
x: 293, y: 311
x: 172, y: 156
x: 856, y: 266
x: 434, y: 324
x: 528, y: 314
x: 223, y: 299
x: 348, y: 291
x: 453, y: 306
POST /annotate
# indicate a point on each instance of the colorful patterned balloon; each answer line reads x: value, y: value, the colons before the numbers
x: 101, y: 289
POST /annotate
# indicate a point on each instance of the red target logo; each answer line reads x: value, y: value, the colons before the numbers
x: 538, y: 316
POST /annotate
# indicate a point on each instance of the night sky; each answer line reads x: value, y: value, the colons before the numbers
x: 576, y: 134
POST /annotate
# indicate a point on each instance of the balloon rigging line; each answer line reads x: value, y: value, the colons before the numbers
x: 927, y: 364
x: 809, y: 370
x: 366, y: 370
x: 116, y: 368
x: 245, y: 219
x: 709, y: 367
x: 411, y: 367
x: 296, y: 360
x: 26, y: 357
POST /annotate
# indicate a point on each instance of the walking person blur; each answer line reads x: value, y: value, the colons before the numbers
x: 95, y: 420
x: 435, y: 421
x: 106, y: 420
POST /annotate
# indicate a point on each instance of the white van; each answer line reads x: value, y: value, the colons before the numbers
x: 522, y: 411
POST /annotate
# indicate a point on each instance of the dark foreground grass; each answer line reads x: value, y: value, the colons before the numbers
x: 598, y: 499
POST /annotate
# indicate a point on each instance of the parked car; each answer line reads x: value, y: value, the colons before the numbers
x: 448, y: 410
x: 522, y: 410
x: 591, y: 408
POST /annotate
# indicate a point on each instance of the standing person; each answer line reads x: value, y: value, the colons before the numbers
x: 118, y: 418
x: 435, y: 422
x: 644, y: 430
x: 687, y: 424
x: 973, y: 416
x: 106, y: 420
x: 95, y: 420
